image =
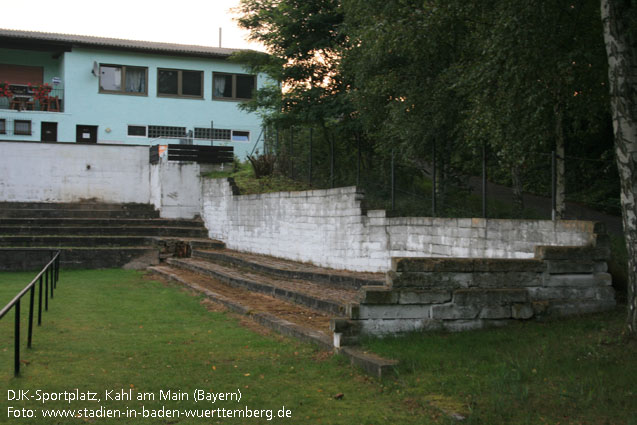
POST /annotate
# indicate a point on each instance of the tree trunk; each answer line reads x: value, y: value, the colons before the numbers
x: 560, y: 165
x: 622, y: 78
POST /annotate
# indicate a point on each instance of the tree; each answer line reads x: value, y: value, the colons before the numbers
x: 619, y: 18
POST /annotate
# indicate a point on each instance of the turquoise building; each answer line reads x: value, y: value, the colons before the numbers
x: 70, y: 88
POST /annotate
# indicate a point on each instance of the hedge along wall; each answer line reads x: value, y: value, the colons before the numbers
x: 330, y: 228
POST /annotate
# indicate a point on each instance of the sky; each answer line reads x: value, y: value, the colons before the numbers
x: 182, y: 22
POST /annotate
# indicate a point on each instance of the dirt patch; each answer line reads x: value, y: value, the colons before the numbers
x: 259, y: 303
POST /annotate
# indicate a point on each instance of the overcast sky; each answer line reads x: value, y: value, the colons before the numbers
x: 183, y: 21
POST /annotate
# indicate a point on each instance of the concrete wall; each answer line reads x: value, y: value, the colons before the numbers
x: 330, y: 228
x: 50, y: 172
x: 69, y: 172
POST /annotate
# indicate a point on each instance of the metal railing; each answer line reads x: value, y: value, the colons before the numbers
x: 50, y: 275
x: 52, y: 102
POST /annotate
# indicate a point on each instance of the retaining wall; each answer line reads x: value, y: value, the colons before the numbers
x: 330, y: 228
x: 73, y: 172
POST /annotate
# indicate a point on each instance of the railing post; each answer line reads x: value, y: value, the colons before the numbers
x: 16, y: 361
x: 49, y: 271
x: 40, y: 302
x: 31, y: 302
x: 46, y: 291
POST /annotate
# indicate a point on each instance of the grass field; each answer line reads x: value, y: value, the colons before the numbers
x: 115, y: 332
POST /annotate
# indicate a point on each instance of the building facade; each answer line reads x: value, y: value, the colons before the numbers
x: 68, y: 88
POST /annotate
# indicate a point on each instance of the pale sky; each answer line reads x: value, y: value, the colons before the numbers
x: 182, y: 21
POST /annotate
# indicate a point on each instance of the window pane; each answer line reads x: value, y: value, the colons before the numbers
x: 240, y: 136
x: 137, y: 130
x: 135, y: 80
x: 191, y: 83
x: 223, y: 85
x: 245, y: 86
x: 3, y: 126
x: 111, y: 78
x: 168, y: 82
x: 22, y: 127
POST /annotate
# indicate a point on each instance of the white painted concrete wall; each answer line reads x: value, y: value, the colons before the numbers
x: 70, y: 172
x: 59, y: 172
x: 329, y: 228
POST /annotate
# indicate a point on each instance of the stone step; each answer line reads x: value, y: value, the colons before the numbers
x: 290, y: 269
x: 79, y: 258
x: 326, y: 298
x: 283, y: 316
x: 75, y: 241
x: 100, y: 222
x: 76, y: 206
x: 103, y: 231
x: 77, y: 213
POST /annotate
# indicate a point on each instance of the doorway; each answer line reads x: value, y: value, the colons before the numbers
x: 49, y: 131
x: 86, y: 134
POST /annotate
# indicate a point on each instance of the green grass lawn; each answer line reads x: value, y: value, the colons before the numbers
x: 114, y: 330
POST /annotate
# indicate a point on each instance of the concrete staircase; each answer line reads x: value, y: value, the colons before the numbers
x: 93, y: 235
x: 296, y: 299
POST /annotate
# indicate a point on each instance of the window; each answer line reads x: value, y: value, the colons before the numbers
x: 122, y: 79
x: 3, y: 126
x: 22, y: 127
x: 240, y: 136
x: 181, y: 83
x: 137, y: 130
x: 218, y: 133
x: 233, y: 86
x: 157, y: 131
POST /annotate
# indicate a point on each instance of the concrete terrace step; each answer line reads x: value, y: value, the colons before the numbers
x: 99, y: 222
x: 320, y: 297
x: 156, y: 230
x: 61, y: 213
x: 76, y: 206
x: 283, y: 316
x: 75, y: 241
x: 291, y: 269
x: 84, y: 258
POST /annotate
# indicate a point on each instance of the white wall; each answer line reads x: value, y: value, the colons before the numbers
x: 329, y: 228
x: 71, y: 172
x: 59, y: 172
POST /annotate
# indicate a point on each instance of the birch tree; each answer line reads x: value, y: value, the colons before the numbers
x: 620, y: 36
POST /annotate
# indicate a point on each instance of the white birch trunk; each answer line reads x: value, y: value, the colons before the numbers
x: 622, y: 78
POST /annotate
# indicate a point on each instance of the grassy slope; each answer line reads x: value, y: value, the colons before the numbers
x: 112, y: 329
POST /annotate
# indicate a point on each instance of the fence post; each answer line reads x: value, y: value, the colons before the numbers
x: 358, y: 161
x: 31, y: 303
x: 393, y: 181
x: 484, y: 180
x: 16, y: 360
x: 553, y: 187
x: 309, y: 172
x: 40, y: 302
x: 433, y: 183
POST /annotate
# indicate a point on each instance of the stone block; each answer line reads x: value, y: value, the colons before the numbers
x: 578, y: 280
x: 438, y: 280
x: 495, y: 312
x: 569, y: 266
x: 462, y: 325
x: 522, y: 311
x: 507, y: 279
x: 454, y: 312
x: 568, y: 307
x: 382, y: 311
x: 379, y: 295
x: 424, y: 297
x: 381, y: 327
x: 481, y: 297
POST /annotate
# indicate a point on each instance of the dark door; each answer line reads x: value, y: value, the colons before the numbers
x: 49, y: 131
x: 86, y: 134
